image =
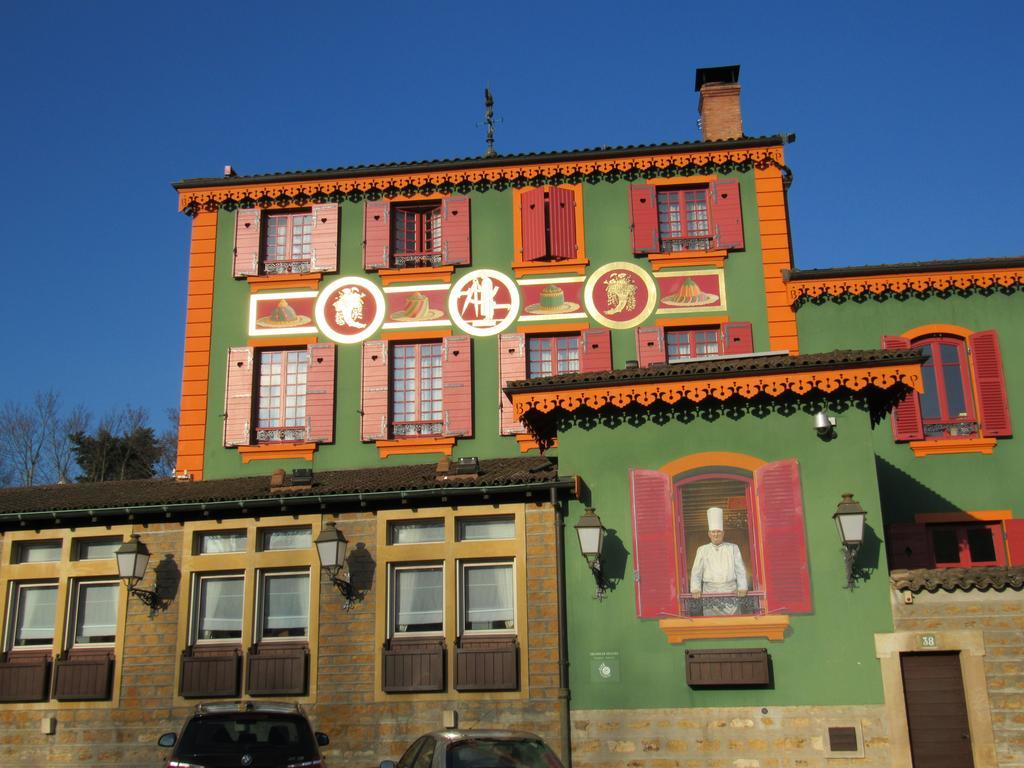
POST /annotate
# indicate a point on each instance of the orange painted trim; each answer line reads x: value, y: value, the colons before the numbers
x: 577, y: 266
x: 773, y: 230
x: 302, y: 451
x: 415, y: 445
x: 426, y: 334
x: 529, y: 442
x: 682, y: 181
x: 987, y: 516
x: 660, y: 261
x: 416, y: 275
x: 934, y: 329
x: 984, y: 445
x: 720, y: 627
x: 409, y: 183
x: 918, y: 282
x: 537, y: 328
x: 283, y: 341
x: 564, y: 267
x: 684, y: 321
x: 310, y: 280
x: 711, y: 459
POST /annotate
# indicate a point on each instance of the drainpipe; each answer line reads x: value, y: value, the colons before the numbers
x: 563, y: 645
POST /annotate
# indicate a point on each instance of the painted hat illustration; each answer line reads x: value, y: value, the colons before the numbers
x: 552, y: 300
x: 282, y: 316
x: 689, y: 294
x: 417, y: 308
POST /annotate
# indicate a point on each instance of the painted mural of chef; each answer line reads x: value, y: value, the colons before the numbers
x: 718, y: 572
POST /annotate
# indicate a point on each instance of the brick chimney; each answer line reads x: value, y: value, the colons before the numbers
x: 719, y: 105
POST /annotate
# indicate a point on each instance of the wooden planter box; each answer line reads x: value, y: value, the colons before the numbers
x: 733, y: 666
x: 210, y: 672
x: 277, y: 670
x: 84, y: 677
x: 490, y: 664
x: 413, y: 665
x: 25, y: 679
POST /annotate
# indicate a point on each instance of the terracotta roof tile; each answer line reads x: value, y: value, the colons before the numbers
x: 958, y: 579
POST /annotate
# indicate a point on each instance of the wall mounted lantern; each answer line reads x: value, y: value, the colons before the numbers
x: 132, y: 561
x: 849, y: 517
x: 591, y: 533
x: 824, y: 424
x: 331, y: 548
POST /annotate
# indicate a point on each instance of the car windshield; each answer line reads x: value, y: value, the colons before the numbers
x: 501, y: 753
x: 254, y: 732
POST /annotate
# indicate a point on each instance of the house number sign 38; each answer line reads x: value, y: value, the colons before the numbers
x: 927, y: 641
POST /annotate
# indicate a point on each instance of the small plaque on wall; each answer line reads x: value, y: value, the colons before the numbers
x: 604, y: 667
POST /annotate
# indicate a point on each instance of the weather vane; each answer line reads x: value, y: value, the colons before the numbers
x: 489, y: 120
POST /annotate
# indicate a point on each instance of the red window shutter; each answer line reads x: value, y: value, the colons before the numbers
x: 906, y: 416
x: 738, y: 338
x: 727, y: 214
x: 643, y: 211
x: 511, y: 367
x: 375, y: 402
x: 238, y: 398
x: 457, y: 386
x: 908, y: 546
x: 595, y: 350
x: 562, y: 222
x: 987, y: 364
x: 247, y: 241
x: 455, y: 248
x: 320, y: 393
x: 325, y: 238
x: 780, y: 506
x: 534, y: 224
x: 1015, y: 540
x: 650, y: 346
x: 654, y: 545
x: 376, y: 234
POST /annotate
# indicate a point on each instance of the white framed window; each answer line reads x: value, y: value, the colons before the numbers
x: 416, y: 594
x: 220, y: 542
x: 416, y: 531
x: 487, y: 597
x: 97, y: 548
x: 283, y: 605
x: 93, y: 616
x: 37, y: 551
x: 295, y: 537
x: 486, y: 528
x: 32, y: 609
x: 217, y: 608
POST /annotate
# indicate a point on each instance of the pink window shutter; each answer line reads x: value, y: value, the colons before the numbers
x: 238, y: 398
x: 737, y: 339
x: 455, y: 237
x: 457, y: 386
x: 562, y: 222
x: 908, y: 546
x: 375, y: 402
x: 643, y: 211
x: 247, y: 241
x: 320, y: 393
x: 325, y: 238
x: 534, y: 224
x: 376, y: 234
x: 906, y: 416
x: 987, y: 364
x: 650, y: 346
x: 1015, y: 540
x: 595, y: 350
x: 654, y: 544
x: 780, y: 506
x: 511, y: 367
x: 727, y: 214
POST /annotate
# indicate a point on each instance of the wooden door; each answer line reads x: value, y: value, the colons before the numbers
x: 940, y: 736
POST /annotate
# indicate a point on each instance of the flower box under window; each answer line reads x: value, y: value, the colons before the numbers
x: 278, y: 669
x: 210, y: 671
x: 83, y: 676
x: 487, y: 664
x: 413, y: 665
x: 25, y: 677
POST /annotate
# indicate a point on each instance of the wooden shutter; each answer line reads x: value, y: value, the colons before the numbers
x: 376, y: 234
x: 650, y: 346
x: 247, y: 241
x: 455, y: 247
x: 908, y: 546
x: 726, y: 214
x: 238, y: 398
x: 511, y: 367
x: 595, y: 350
x: 906, y: 416
x: 1015, y: 540
x: 374, y: 405
x: 654, y: 545
x: 987, y: 365
x: 325, y: 238
x: 643, y: 211
x: 788, y: 586
x: 457, y: 386
x: 534, y: 224
x: 562, y: 222
x: 320, y: 393
x: 737, y: 339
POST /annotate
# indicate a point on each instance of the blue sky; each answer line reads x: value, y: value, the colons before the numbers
x: 906, y: 114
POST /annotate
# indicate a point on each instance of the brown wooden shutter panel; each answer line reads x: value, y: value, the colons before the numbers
x: 987, y: 364
x: 727, y: 214
x: 247, y: 241
x: 511, y: 367
x: 595, y: 350
x: 906, y: 416
x: 534, y: 224
x: 320, y: 393
x: 908, y: 546
x: 325, y: 238
x: 727, y: 666
x: 455, y: 233
x: 654, y: 563
x: 780, y: 506
x: 1015, y: 540
x: 650, y: 346
x: 24, y: 676
x: 238, y: 398
x: 457, y: 386
x: 376, y: 234
x: 562, y: 222
x: 643, y: 210
x: 375, y: 400
x: 738, y: 338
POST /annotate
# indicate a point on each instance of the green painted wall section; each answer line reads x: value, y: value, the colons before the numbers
x: 826, y: 658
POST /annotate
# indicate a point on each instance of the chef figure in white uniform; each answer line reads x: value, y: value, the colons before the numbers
x: 718, y: 571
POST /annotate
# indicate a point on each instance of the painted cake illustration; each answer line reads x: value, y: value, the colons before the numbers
x: 282, y: 316
x: 417, y: 308
x: 552, y: 301
x: 689, y: 294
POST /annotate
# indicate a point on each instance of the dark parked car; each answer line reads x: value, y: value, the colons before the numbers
x: 246, y: 734
x: 463, y: 748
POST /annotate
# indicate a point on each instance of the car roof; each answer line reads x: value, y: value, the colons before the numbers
x: 461, y: 734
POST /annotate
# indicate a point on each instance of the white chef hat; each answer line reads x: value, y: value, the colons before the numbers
x: 715, y: 515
